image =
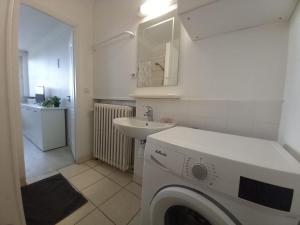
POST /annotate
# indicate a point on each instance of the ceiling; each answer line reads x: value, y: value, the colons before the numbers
x: 34, y: 26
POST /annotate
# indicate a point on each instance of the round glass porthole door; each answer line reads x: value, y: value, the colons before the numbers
x: 181, y: 215
x: 182, y: 206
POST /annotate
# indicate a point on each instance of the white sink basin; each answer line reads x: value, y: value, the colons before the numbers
x: 139, y: 129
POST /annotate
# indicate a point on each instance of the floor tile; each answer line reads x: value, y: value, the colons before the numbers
x: 122, y: 178
x: 135, y: 189
x: 101, y: 191
x: 85, y: 179
x: 77, y: 215
x: 31, y: 180
x: 92, y: 163
x: 136, y: 220
x: 38, y: 163
x: 121, y: 208
x: 73, y: 170
x: 95, y: 218
x: 105, y: 169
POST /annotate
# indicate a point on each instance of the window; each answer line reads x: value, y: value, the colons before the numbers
x: 23, y: 75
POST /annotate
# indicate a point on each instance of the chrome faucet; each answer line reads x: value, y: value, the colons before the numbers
x: 149, y: 112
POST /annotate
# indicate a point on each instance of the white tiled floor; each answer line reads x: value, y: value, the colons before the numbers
x: 114, y: 199
x: 121, y: 207
x: 134, y: 188
x: 96, y: 217
x: 38, y: 163
x: 73, y: 170
x: 85, y: 179
x: 106, y: 187
x: 120, y: 178
x: 136, y: 220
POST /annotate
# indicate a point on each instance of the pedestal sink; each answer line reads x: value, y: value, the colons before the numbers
x: 139, y: 129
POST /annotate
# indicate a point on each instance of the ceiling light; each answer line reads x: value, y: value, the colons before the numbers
x: 155, y: 7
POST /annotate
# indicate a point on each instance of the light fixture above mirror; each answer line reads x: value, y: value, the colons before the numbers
x: 155, y: 8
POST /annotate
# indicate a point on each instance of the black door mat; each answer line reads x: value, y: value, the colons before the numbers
x: 48, y: 201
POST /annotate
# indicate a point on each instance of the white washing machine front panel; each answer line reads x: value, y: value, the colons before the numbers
x: 229, y: 182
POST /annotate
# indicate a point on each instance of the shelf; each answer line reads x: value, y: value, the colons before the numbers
x: 206, y: 18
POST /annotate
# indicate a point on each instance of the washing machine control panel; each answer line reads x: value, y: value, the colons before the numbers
x: 200, y: 170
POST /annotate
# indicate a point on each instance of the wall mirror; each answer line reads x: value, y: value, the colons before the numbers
x: 158, y: 51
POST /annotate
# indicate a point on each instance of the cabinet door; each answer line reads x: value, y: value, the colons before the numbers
x: 36, y: 127
x: 53, y: 129
x: 25, y: 116
x: 29, y: 122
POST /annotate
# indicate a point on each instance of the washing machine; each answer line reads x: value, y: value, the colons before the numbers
x: 195, y: 177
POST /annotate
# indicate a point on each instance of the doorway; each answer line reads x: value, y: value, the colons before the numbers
x: 47, y: 87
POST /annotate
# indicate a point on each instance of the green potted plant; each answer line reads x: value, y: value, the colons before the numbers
x: 48, y: 103
x: 56, y: 101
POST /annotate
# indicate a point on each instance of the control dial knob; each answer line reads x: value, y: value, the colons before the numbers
x: 199, y: 171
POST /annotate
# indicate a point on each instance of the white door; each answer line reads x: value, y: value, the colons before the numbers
x: 180, y: 206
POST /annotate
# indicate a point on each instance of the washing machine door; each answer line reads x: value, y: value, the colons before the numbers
x: 183, y: 206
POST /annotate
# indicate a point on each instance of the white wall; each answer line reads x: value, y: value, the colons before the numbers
x: 116, y: 61
x: 43, y: 67
x: 243, y: 65
x: 10, y: 196
x: 79, y: 14
x: 231, y: 83
x: 290, y: 123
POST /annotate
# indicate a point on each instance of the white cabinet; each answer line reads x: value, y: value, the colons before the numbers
x: 206, y: 18
x: 45, y: 127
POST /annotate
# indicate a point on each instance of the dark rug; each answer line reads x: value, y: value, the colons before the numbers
x: 48, y: 201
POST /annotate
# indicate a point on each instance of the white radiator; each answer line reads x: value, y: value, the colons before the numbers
x: 110, y: 145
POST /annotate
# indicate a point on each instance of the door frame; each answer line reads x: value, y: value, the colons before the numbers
x: 13, y: 93
x: 75, y: 33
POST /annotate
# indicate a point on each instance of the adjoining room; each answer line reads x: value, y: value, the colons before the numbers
x: 47, y: 92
